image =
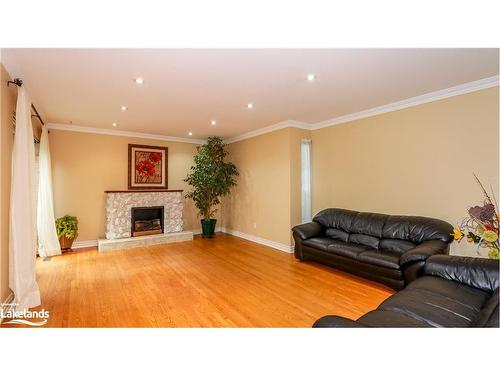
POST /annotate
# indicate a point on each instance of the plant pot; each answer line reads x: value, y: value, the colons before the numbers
x: 66, y: 243
x: 208, y: 227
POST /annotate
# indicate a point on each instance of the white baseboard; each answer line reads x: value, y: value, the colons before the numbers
x: 259, y: 240
x: 8, y: 300
x: 82, y: 244
x: 246, y: 236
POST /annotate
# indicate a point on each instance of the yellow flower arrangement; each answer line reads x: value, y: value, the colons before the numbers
x: 482, y: 227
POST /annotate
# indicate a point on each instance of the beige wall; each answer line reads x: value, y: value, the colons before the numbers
x: 260, y: 204
x: 85, y: 165
x: 416, y: 161
x: 266, y: 201
x: 7, y: 107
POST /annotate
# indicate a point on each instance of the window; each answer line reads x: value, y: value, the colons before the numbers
x: 305, y: 160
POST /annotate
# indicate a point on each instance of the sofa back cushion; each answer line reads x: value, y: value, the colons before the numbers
x: 336, y: 218
x: 411, y: 230
x: 368, y: 223
x: 417, y: 229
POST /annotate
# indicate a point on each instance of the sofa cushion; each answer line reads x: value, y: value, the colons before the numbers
x: 399, y: 246
x: 320, y: 243
x: 461, y: 293
x: 390, y: 319
x: 493, y: 321
x: 364, y: 239
x: 346, y: 249
x: 382, y: 258
x: 337, y: 234
x: 489, y: 313
x: 437, y: 302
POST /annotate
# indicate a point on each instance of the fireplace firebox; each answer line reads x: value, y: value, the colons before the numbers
x: 147, y: 221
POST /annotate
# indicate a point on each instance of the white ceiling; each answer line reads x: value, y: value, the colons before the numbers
x: 185, y: 88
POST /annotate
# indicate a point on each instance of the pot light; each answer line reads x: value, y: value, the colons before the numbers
x: 311, y: 77
x: 250, y: 105
x: 139, y: 80
x: 213, y: 122
x: 123, y: 108
x: 190, y: 134
x: 114, y: 124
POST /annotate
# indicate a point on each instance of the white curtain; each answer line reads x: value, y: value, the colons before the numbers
x: 22, y: 240
x: 48, y: 243
x: 305, y: 156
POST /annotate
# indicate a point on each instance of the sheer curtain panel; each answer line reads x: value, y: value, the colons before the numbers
x: 22, y: 240
x: 48, y: 243
x: 305, y: 155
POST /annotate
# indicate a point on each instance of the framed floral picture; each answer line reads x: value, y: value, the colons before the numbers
x: 147, y: 167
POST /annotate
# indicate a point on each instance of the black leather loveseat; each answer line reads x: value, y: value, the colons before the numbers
x: 388, y: 249
x: 453, y: 292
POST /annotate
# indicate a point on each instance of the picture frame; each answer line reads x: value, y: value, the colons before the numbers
x: 147, y: 167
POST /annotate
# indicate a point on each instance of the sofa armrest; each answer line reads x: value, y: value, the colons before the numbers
x: 423, y: 251
x: 333, y: 321
x: 308, y: 230
x: 478, y: 273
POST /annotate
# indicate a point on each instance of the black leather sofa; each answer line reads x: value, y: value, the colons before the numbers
x: 453, y: 292
x: 388, y: 249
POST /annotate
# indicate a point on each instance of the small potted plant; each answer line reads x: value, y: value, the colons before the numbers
x: 211, y: 178
x: 67, y: 231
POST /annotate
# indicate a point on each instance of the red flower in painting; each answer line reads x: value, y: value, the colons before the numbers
x: 146, y: 168
x: 155, y: 157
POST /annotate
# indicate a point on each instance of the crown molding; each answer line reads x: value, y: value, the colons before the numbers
x: 121, y: 133
x: 411, y: 102
x: 269, y: 129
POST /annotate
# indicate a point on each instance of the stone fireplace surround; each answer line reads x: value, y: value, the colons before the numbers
x: 119, y: 204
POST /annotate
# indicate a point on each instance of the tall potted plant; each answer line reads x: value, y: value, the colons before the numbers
x: 211, y: 178
x: 67, y: 231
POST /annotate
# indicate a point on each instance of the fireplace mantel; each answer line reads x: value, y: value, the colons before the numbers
x: 144, y: 191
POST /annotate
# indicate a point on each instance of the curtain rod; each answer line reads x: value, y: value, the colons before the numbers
x: 19, y: 82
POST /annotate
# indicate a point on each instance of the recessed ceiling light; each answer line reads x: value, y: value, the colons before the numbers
x: 213, y: 122
x: 190, y: 134
x: 311, y: 77
x: 114, y: 124
x: 250, y: 105
x: 124, y: 108
x: 139, y: 80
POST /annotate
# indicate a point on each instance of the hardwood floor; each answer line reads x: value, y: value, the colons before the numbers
x: 221, y: 282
